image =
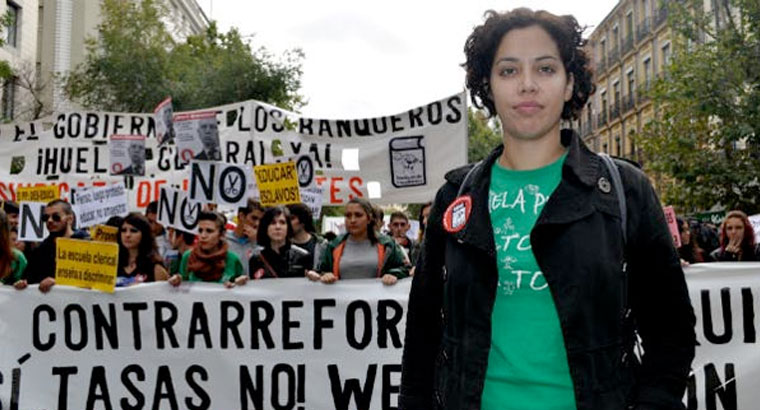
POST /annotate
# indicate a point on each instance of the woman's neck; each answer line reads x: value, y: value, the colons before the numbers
x: 133, y: 253
x: 526, y: 154
x: 359, y: 236
x: 277, y: 245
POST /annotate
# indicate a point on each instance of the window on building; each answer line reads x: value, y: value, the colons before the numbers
x: 604, y: 50
x: 631, y: 82
x: 647, y: 72
x: 9, y: 99
x: 645, y: 9
x: 604, y: 104
x: 628, y: 26
x: 13, y: 14
x: 604, y: 148
x: 665, y: 55
x: 618, y: 150
x: 615, y: 37
x: 588, y: 113
x: 616, y: 90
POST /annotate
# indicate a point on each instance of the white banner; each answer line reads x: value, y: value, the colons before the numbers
x: 402, y: 158
x: 272, y: 344
x: 290, y: 343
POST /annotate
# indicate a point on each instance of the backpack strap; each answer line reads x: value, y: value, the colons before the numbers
x: 617, y: 183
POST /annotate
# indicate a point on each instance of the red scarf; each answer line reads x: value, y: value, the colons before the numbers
x: 208, y: 266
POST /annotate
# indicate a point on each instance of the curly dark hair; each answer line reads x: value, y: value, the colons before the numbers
x: 482, y: 44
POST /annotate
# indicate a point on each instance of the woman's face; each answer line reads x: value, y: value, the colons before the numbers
x: 278, y: 229
x: 735, y: 229
x: 426, y: 214
x: 529, y: 85
x: 208, y: 236
x: 130, y: 236
x: 685, y: 233
x: 356, y: 219
x: 20, y: 246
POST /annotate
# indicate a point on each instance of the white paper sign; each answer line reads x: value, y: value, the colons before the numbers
x: 94, y: 206
x: 312, y: 197
x: 31, y: 227
x: 164, y: 117
x: 176, y: 210
x: 127, y: 154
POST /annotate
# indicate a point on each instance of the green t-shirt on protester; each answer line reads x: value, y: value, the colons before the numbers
x: 527, y: 364
x: 232, y: 269
x: 18, y: 265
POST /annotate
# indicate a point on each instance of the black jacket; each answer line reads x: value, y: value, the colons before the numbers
x: 578, y: 243
x: 291, y: 262
x: 42, y: 264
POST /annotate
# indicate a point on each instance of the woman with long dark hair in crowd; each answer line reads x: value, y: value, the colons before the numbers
x: 12, y: 261
x: 737, y: 240
x: 279, y: 257
x: 138, y: 258
x: 209, y: 260
x: 689, y: 250
x: 361, y: 252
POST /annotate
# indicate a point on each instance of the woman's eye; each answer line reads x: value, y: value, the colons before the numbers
x: 508, y: 71
x: 547, y: 69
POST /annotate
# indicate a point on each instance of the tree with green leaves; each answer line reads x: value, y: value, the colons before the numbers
x: 483, y: 135
x: 704, y: 143
x: 134, y: 63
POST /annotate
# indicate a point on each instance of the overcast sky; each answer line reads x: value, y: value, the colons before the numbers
x: 376, y: 58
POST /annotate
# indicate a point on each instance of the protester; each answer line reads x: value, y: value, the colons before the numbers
x: 15, y: 243
x: 361, y: 252
x: 12, y: 261
x: 305, y: 234
x: 329, y: 237
x: 239, y: 239
x: 509, y: 309
x: 11, y: 210
x: 59, y: 219
x: 138, y: 258
x: 737, y: 240
x: 209, y: 260
x: 278, y: 258
x: 159, y: 233
x: 379, y: 217
x: 423, y: 218
x: 689, y: 250
x: 399, y: 225
x: 180, y: 242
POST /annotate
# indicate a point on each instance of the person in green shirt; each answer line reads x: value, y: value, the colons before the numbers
x: 12, y: 261
x: 210, y: 260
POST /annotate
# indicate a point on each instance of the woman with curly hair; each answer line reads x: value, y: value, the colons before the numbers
x: 210, y: 260
x: 737, y: 240
x: 138, y: 259
x: 542, y: 262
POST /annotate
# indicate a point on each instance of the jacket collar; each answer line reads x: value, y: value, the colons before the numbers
x: 580, y: 173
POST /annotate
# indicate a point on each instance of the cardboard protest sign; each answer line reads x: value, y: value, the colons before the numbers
x: 312, y: 197
x: 127, y: 153
x: 43, y: 194
x: 176, y: 210
x: 278, y: 184
x: 670, y: 218
x: 97, y: 205
x: 227, y: 185
x: 104, y: 233
x: 86, y: 264
x: 163, y: 115
x: 197, y: 136
x: 31, y: 226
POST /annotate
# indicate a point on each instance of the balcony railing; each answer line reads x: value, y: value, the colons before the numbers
x: 614, y: 55
x: 615, y: 110
x: 628, y: 102
x: 662, y: 16
x: 643, y: 92
x: 601, y: 118
x: 643, y: 30
x: 628, y: 44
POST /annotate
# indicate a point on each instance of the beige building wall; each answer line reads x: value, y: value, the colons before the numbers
x: 20, y: 56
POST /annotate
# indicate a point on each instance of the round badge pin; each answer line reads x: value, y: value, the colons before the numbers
x: 457, y: 214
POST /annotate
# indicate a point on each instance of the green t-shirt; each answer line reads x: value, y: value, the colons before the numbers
x: 232, y: 268
x: 527, y: 364
x: 18, y: 265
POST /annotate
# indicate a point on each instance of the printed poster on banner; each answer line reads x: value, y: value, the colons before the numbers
x: 104, y: 233
x: 227, y: 185
x: 97, y: 205
x: 405, y: 154
x: 86, y: 264
x: 312, y: 197
x: 670, y: 218
x: 163, y: 115
x: 43, y: 194
x: 178, y: 211
x: 278, y: 184
x: 32, y: 227
x: 197, y: 136
x: 127, y: 154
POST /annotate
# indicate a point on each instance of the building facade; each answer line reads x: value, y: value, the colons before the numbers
x: 50, y: 40
x: 629, y: 49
